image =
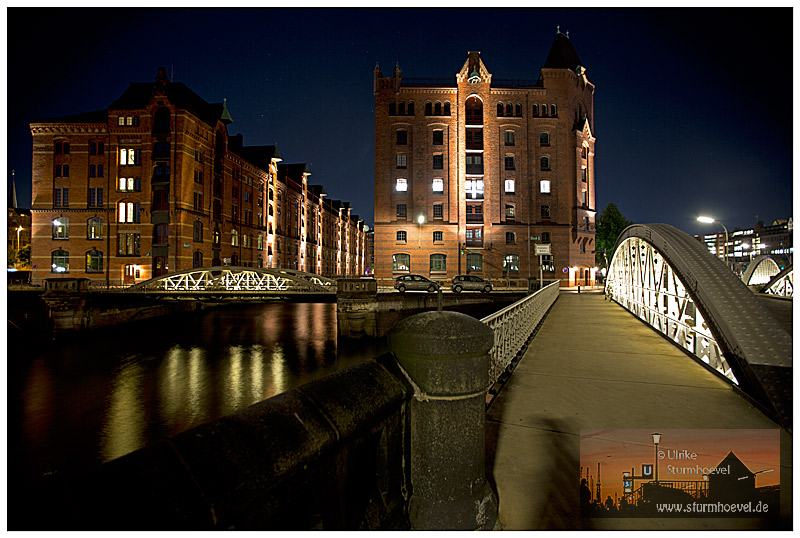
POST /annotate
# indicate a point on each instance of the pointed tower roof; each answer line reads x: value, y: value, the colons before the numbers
x: 13, y: 192
x: 225, y: 116
x: 562, y: 54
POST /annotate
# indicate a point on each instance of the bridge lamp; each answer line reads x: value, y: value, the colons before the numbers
x: 656, y: 440
x: 709, y: 220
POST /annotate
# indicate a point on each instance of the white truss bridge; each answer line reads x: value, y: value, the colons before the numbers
x: 236, y: 281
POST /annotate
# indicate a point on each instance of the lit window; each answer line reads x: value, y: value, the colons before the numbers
x: 401, y: 262
x: 61, y: 228
x: 234, y: 238
x: 59, y: 261
x: 402, y: 184
x: 474, y: 263
x: 94, y: 261
x: 474, y: 188
x: 511, y: 263
x: 94, y: 228
x: 121, y: 121
x: 510, y: 211
x: 544, y: 186
x: 438, y: 184
x: 438, y: 263
x: 401, y: 236
x: 509, y: 186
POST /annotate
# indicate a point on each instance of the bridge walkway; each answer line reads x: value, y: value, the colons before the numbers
x: 595, y: 366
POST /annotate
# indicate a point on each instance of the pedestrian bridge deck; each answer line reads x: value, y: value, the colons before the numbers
x: 593, y: 365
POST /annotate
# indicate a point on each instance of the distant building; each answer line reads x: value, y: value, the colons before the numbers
x: 731, y: 481
x: 471, y: 172
x: 19, y: 227
x: 155, y: 184
x: 743, y: 246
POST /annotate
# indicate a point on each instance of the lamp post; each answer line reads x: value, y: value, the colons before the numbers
x: 709, y: 220
x: 16, y: 262
x: 421, y: 221
x: 656, y: 440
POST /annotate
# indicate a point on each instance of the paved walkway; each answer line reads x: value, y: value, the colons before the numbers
x: 594, y: 366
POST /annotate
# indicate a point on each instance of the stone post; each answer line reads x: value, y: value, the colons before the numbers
x: 445, y: 356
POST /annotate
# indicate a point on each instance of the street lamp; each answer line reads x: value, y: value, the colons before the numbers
x: 421, y: 221
x: 709, y: 220
x: 16, y: 262
x: 656, y: 440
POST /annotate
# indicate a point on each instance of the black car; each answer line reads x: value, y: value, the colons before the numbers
x: 470, y: 282
x: 415, y: 283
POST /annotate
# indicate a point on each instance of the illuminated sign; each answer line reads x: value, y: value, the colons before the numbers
x: 647, y: 471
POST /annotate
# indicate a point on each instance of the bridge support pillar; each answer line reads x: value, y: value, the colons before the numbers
x: 356, y: 305
x: 445, y: 356
x: 65, y: 299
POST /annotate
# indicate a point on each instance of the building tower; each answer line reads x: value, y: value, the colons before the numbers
x: 471, y: 172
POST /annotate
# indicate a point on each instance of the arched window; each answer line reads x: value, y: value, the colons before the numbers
x: 235, y: 260
x: 215, y: 237
x: 438, y: 263
x: 509, y: 110
x: 553, y: 110
x: 234, y: 238
x: 392, y: 108
x: 401, y: 262
x: 197, y: 259
x: 401, y: 109
x: 260, y: 244
x: 583, y: 152
x: 428, y: 109
x: 61, y: 228
x: 474, y: 263
x: 544, y: 110
x: 474, y: 111
x: 278, y: 246
x: 535, y: 110
x: 94, y: 261
x: 59, y: 261
x: 94, y: 228
x: 545, y: 163
x: 510, y: 263
x: 544, y: 139
x: 197, y: 231
x: 161, y: 121
x: 437, y: 110
x: 410, y: 109
x: 518, y: 110
x: 447, y: 109
x: 499, y: 109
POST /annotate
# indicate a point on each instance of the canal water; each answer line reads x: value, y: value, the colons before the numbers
x: 76, y: 403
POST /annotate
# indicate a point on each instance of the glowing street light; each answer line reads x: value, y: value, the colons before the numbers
x: 421, y: 221
x: 17, y: 260
x: 709, y: 220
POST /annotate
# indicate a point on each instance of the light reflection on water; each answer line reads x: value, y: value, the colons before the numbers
x: 98, y: 397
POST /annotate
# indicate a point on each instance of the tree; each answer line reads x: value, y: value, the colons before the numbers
x: 610, y: 224
x: 24, y: 256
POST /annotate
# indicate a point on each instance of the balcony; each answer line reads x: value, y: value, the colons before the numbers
x: 474, y: 217
x: 476, y: 169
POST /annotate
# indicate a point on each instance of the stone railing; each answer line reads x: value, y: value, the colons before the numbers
x: 514, y: 325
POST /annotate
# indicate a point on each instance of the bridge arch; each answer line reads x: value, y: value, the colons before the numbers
x: 669, y: 280
x: 238, y: 279
x: 760, y: 271
x: 781, y: 284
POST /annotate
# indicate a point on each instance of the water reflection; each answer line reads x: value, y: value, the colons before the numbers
x: 93, y: 399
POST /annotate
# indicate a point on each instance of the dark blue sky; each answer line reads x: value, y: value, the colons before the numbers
x: 693, y: 108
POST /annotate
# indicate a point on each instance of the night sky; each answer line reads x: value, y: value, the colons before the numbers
x: 693, y: 108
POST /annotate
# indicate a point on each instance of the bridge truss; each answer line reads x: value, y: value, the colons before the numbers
x: 670, y: 281
x: 238, y: 280
x: 781, y: 284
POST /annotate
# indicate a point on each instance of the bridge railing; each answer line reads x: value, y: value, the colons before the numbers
x: 513, y: 326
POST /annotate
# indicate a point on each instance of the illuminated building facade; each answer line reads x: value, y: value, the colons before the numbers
x: 472, y: 172
x: 743, y: 246
x: 155, y: 184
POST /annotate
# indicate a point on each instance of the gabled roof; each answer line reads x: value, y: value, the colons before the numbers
x: 293, y: 171
x: 260, y: 156
x: 562, y: 54
x: 139, y: 95
x: 97, y: 116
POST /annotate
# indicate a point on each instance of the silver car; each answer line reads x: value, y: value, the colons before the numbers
x: 415, y: 283
x: 470, y: 282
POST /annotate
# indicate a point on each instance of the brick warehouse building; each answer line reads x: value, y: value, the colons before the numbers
x: 155, y: 184
x: 467, y: 169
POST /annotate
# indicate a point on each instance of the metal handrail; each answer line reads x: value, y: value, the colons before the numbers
x: 513, y: 326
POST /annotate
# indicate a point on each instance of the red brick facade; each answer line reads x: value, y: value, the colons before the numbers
x: 154, y: 184
x: 467, y: 158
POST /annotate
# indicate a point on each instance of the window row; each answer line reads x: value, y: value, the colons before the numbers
x: 128, y: 121
x: 59, y: 261
x: 402, y: 211
x: 514, y: 110
x: 401, y: 138
x: 437, y: 184
x: 402, y: 161
x: 402, y: 262
x: 402, y: 236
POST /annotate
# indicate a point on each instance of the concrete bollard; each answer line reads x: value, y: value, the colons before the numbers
x: 445, y: 356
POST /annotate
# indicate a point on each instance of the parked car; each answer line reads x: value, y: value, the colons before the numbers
x: 415, y: 283
x: 470, y: 282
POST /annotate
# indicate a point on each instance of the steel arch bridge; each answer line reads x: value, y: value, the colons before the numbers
x: 760, y: 271
x: 237, y: 281
x: 669, y: 280
x: 781, y: 284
